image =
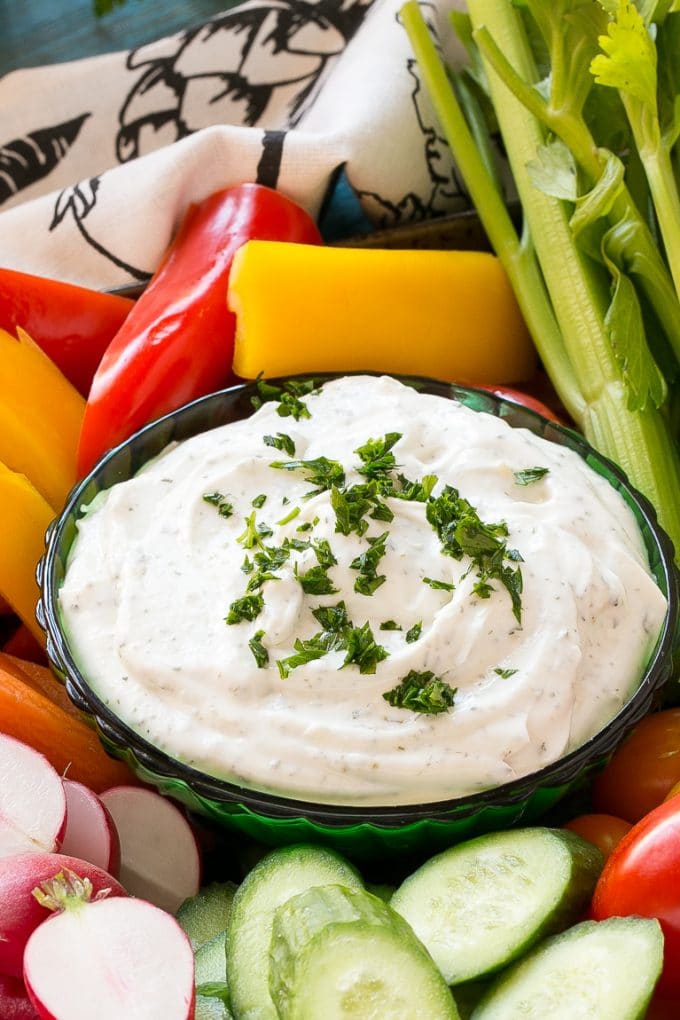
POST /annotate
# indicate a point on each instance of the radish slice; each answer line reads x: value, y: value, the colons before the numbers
x: 20, y: 912
x: 32, y: 800
x: 110, y: 959
x: 160, y: 859
x: 90, y: 833
x: 14, y: 1002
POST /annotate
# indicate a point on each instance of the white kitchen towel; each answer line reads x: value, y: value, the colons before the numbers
x: 100, y: 157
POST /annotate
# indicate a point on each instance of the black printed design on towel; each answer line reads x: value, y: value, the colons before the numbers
x: 270, y: 161
x: 446, y: 188
x: 78, y: 203
x: 260, y: 64
x: 27, y: 160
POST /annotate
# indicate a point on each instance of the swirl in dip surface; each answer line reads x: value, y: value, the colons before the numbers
x: 162, y: 560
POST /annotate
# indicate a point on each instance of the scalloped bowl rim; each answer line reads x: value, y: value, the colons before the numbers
x: 164, y: 767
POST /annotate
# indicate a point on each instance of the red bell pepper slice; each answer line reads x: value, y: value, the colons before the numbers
x: 73, y: 325
x: 177, y: 343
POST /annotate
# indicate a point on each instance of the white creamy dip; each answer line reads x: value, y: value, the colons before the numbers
x: 156, y: 568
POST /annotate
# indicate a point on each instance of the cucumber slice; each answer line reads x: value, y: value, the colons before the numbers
x: 278, y: 876
x: 208, y: 1008
x: 340, y: 954
x: 211, y: 960
x: 206, y: 914
x: 597, y: 970
x: 481, y: 904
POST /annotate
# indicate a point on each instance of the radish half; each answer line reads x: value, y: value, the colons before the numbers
x: 90, y: 833
x: 20, y: 912
x: 110, y: 959
x: 159, y: 856
x: 32, y: 800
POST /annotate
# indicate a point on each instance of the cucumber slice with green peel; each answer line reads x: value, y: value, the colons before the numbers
x: 597, y: 970
x: 206, y: 914
x: 481, y: 904
x: 278, y: 876
x: 342, y: 954
x: 209, y: 1008
x: 211, y: 961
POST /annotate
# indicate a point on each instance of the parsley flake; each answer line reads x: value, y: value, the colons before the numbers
x: 530, y: 475
x: 462, y: 533
x: 321, y: 472
x: 362, y: 649
x: 414, y: 633
x: 438, y: 585
x: 505, y: 673
x: 289, y: 396
x: 248, y: 607
x: 305, y: 651
x: 422, y: 692
x: 369, y: 580
x: 316, y: 581
x: 259, y: 501
x: 281, y: 441
x: 376, y: 456
x: 220, y: 502
x: 390, y: 625
x: 260, y: 653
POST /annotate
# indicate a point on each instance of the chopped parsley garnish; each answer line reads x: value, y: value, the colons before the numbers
x: 253, y: 533
x: 248, y: 607
x: 369, y: 580
x: 307, y: 526
x: 305, y: 651
x: 260, y: 653
x: 362, y: 649
x: 324, y: 553
x: 289, y: 396
x: 353, y: 504
x: 417, y: 492
x: 216, y: 499
x: 333, y: 619
x: 462, y: 533
x: 438, y: 585
x: 290, y: 517
x: 414, y: 633
x: 265, y: 561
x: 530, y: 475
x: 390, y: 625
x: 505, y: 673
x: 321, y: 472
x: 281, y: 441
x: 377, y: 457
x: 422, y: 692
x: 259, y: 501
x: 316, y: 581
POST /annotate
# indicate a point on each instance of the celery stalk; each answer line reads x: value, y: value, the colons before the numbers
x: 578, y: 289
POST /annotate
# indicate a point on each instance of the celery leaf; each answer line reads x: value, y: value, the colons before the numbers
x: 598, y: 202
x: 553, y: 171
x: 625, y: 329
x: 628, y: 62
x: 668, y: 50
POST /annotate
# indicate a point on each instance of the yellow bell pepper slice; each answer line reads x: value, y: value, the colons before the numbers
x: 40, y: 417
x: 24, y: 517
x: 445, y: 314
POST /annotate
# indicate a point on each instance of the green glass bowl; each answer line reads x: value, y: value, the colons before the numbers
x: 363, y: 833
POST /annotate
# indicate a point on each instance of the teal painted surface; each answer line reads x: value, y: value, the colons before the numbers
x: 36, y: 32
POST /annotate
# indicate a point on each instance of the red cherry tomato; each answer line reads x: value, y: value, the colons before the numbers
x: 643, y: 770
x: 604, y: 831
x: 518, y: 397
x: 641, y: 878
